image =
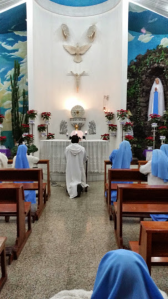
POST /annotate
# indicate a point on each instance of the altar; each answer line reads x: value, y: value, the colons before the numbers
x: 97, y: 151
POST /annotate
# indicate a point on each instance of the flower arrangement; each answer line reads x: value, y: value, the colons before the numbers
x: 154, y: 118
x: 109, y: 115
x: 163, y: 130
x: 127, y: 127
x: 50, y: 136
x: 41, y: 128
x: 105, y: 137
x: 25, y: 128
x: 149, y: 141
x: 2, y: 139
x: 129, y: 138
x: 122, y: 114
x: 112, y: 127
x: 31, y: 114
x: 46, y: 115
x: 28, y: 138
x: 1, y: 118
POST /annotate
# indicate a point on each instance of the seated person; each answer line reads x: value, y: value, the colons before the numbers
x: 121, y: 159
x: 164, y: 148
x: 122, y: 274
x: 21, y: 162
x: 3, y: 161
x: 75, y: 174
x: 157, y: 171
x: 31, y: 160
x: 77, y: 132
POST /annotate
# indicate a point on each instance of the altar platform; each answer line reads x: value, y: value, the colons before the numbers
x: 54, y: 150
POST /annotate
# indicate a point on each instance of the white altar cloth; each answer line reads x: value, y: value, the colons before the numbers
x: 54, y: 150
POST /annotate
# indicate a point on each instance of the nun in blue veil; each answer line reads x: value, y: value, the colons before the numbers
x: 160, y: 170
x: 22, y: 163
x: 123, y: 274
x: 164, y: 148
x: 121, y: 159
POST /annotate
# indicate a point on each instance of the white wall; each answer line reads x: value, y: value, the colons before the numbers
x: 105, y: 62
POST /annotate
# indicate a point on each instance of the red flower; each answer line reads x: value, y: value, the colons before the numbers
x: 25, y: 126
x: 2, y: 138
x: 2, y: 116
x: 129, y: 137
x: 162, y: 128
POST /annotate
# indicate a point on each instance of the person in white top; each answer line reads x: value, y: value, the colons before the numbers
x: 156, y: 169
x: 75, y: 173
x: 31, y: 159
x: 3, y: 161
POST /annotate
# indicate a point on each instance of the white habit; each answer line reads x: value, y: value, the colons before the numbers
x: 152, y: 180
x: 75, y: 173
x: 3, y: 161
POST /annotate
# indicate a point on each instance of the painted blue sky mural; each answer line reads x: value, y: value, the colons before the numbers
x: 13, y: 46
x: 78, y: 3
x: 147, y: 30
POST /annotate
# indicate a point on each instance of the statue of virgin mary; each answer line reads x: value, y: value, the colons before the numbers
x: 156, y: 99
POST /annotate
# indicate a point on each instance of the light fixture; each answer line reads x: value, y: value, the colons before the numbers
x: 105, y: 103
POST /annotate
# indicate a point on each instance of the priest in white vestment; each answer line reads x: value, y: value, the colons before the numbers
x: 75, y: 173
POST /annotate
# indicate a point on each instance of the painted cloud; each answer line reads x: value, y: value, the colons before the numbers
x: 130, y: 37
x: 145, y: 38
x: 20, y: 46
x: 136, y: 8
x: 164, y: 42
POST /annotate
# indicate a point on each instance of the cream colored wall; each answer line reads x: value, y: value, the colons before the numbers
x: 50, y: 89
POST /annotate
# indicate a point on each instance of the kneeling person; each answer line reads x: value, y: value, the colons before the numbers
x: 75, y: 174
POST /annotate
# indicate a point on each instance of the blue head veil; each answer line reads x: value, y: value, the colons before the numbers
x: 21, y: 157
x: 124, y: 274
x: 112, y: 156
x: 22, y: 162
x: 160, y: 165
x: 123, y: 156
x: 164, y: 148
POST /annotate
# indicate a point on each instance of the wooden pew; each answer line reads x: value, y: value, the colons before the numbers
x: 31, y: 175
x: 108, y: 162
x: 3, y: 262
x: 47, y: 163
x: 140, y: 163
x: 119, y: 175
x: 138, y: 200
x: 153, y: 243
x: 12, y: 204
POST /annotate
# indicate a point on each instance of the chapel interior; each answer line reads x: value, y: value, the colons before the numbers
x: 69, y: 64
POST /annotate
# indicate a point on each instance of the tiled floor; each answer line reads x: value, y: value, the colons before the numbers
x: 66, y: 246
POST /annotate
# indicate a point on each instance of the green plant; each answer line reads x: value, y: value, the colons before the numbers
x: 31, y: 149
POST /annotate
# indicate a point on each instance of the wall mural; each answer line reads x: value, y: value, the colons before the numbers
x: 147, y: 60
x: 13, y: 48
x: 78, y: 3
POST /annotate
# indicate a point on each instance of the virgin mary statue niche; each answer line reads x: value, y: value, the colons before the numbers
x: 156, y: 99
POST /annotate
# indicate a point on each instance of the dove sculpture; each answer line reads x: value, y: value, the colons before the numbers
x: 77, y: 51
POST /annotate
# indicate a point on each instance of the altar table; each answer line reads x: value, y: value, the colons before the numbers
x: 54, y: 150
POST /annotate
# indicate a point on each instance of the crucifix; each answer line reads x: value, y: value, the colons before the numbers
x: 77, y: 78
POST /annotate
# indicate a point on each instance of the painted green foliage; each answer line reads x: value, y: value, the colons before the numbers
x: 18, y: 117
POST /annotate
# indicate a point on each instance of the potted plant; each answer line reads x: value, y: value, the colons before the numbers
x: 109, y: 115
x: 41, y: 128
x: 154, y: 118
x: 149, y: 142
x: 1, y: 118
x: 122, y: 114
x: 28, y: 138
x: 46, y: 115
x: 2, y: 140
x: 31, y: 114
x: 50, y: 136
x: 105, y: 137
x: 25, y: 128
x: 127, y: 126
x: 129, y: 138
x: 112, y: 129
x: 162, y: 130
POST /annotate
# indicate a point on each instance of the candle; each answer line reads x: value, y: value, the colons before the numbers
x: 67, y: 134
x: 85, y: 132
